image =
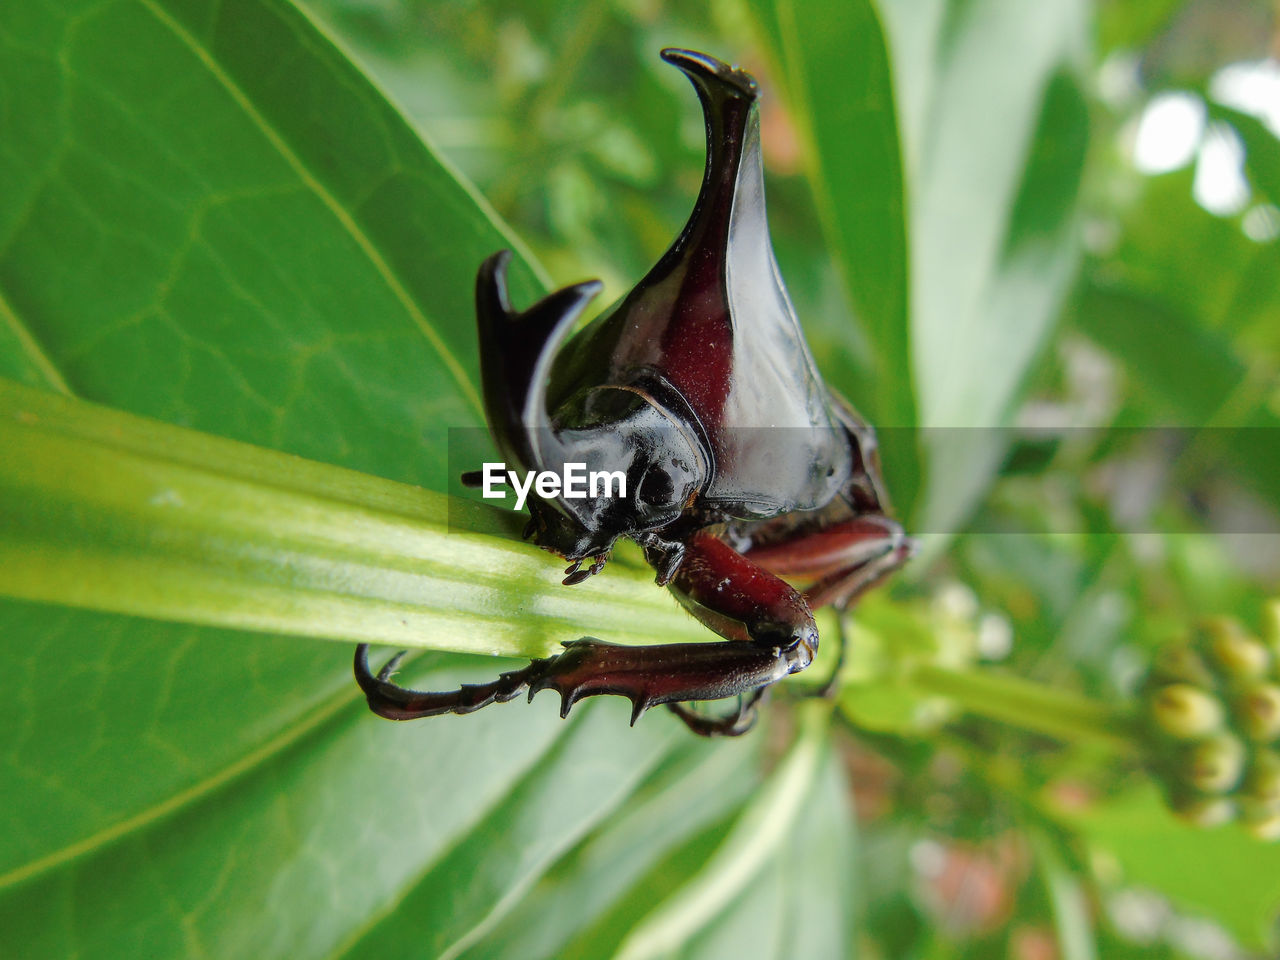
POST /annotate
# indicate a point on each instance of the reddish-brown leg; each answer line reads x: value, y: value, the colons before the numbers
x: 844, y: 561
x: 767, y: 624
x: 733, y: 724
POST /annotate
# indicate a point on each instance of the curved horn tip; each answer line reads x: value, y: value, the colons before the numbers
x: 495, y: 265
x: 588, y: 289
x: 695, y: 64
x: 491, y: 282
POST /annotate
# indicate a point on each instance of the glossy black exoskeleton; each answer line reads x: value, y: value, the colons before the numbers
x: 742, y: 466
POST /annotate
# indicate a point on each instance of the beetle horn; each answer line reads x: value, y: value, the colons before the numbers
x: 516, y: 353
x: 728, y: 97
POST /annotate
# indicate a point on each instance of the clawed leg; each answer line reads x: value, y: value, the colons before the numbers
x: 394, y: 702
x: 832, y: 685
x: 588, y: 667
x: 731, y: 724
x: 844, y: 560
x: 769, y: 629
x: 768, y: 626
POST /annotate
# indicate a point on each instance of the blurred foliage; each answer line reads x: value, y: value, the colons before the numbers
x: 971, y: 249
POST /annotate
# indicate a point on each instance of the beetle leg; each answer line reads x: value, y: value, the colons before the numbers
x: 841, y: 561
x: 395, y: 702
x: 844, y: 561
x: 769, y: 629
x: 842, y: 588
x: 588, y: 667
x: 730, y: 725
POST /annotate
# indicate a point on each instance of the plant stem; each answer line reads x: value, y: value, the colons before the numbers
x: 1028, y: 705
x: 103, y: 510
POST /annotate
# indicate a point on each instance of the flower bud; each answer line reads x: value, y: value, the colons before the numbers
x: 1216, y: 764
x: 1204, y: 811
x: 1186, y: 712
x: 1258, y: 710
x: 1263, y: 781
x: 1267, y: 830
x: 1261, y: 820
x: 1180, y: 663
x: 1237, y: 653
x: 1271, y: 625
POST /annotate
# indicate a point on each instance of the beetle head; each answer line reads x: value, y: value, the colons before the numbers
x: 636, y: 448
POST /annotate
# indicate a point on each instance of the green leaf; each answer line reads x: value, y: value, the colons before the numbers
x: 1262, y: 149
x: 835, y: 67
x: 1192, y: 372
x: 318, y: 847
x: 1174, y: 357
x: 952, y: 216
x: 739, y: 877
x: 1067, y: 898
x: 210, y: 217
x: 462, y: 896
x: 1223, y: 873
x: 578, y: 907
x: 1214, y: 275
x: 993, y: 240
x: 210, y: 193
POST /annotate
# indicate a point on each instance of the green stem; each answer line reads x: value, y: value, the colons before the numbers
x: 107, y: 511
x: 1028, y: 705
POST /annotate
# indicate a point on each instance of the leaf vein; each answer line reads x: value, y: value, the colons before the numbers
x: 340, y: 212
x: 32, y: 348
x: 184, y: 798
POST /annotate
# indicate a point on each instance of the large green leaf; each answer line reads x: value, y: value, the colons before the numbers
x: 1223, y: 873
x: 779, y: 884
x: 952, y: 214
x: 836, y: 68
x: 992, y: 219
x: 576, y: 909
x: 209, y: 216
x: 314, y: 851
x: 835, y: 65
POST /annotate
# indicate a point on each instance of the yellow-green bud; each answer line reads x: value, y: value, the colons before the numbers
x: 1264, y: 777
x: 1216, y: 765
x: 1261, y: 819
x: 1268, y: 830
x: 1180, y: 663
x: 1258, y: 709
x: 1235, y: 651
x: 1271, y: 625
x: 1186, y: 712
x: 1205, y: 811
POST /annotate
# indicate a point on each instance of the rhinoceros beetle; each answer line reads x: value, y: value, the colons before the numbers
x: 742, y: 466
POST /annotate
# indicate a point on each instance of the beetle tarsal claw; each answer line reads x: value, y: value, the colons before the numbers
x: 391, y: 666
x: 575, y: 575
